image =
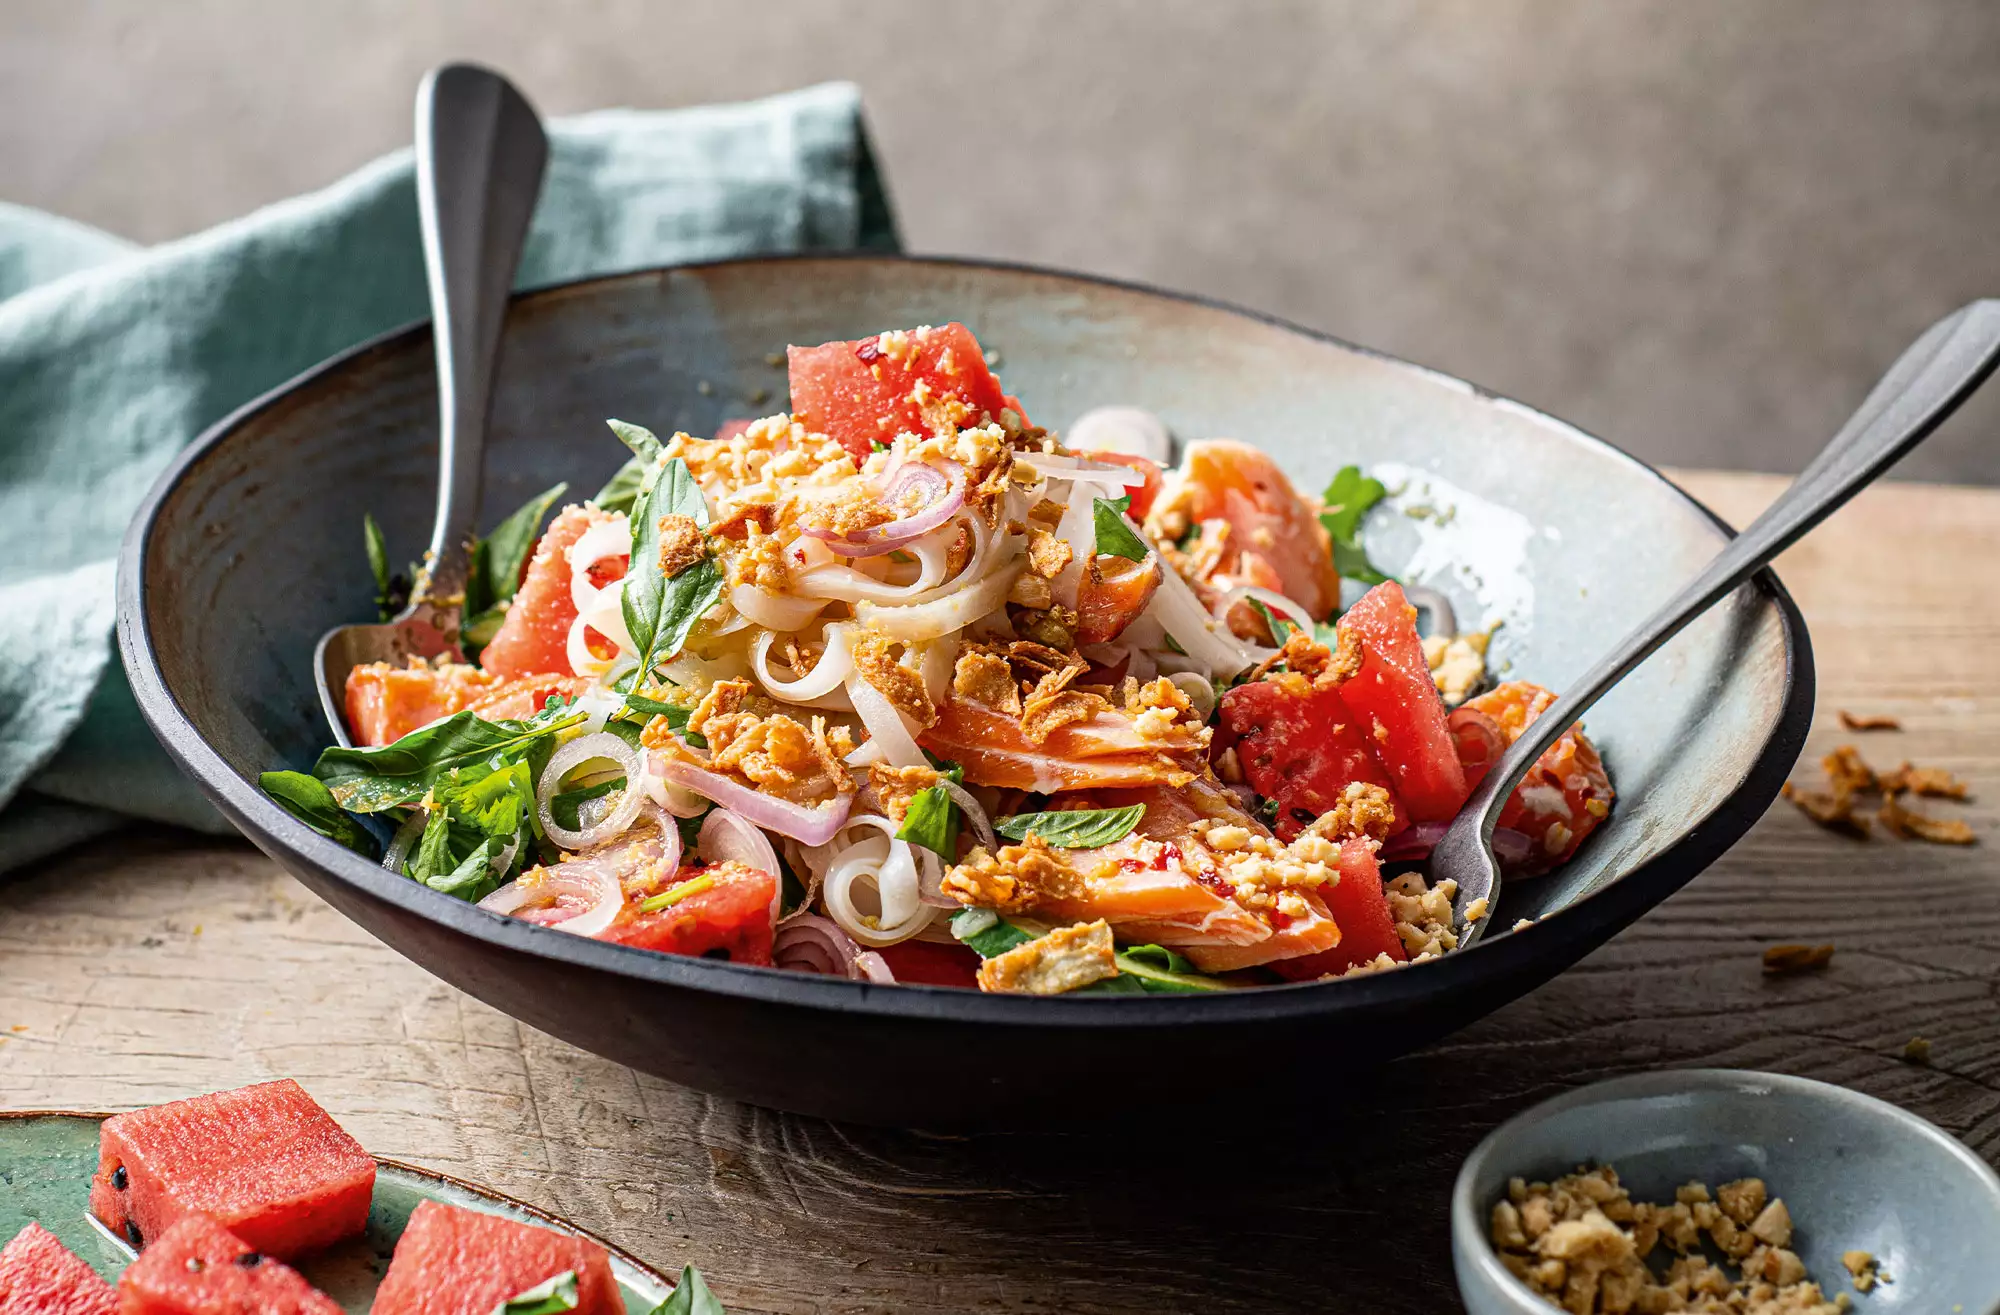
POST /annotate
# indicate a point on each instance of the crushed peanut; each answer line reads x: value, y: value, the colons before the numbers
x: 1583, y: 1245
x: 1865, y: 1269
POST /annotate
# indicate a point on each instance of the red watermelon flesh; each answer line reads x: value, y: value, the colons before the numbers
x: 533, y: 640
x: 198, y: 1267
x: 41, y: 1276
x: 1361, y: 907
x: 1300, y: 747
x: 1397, y: 704
x: 872, y: 389
x: 265, y: 1162
x: 452, y: 1261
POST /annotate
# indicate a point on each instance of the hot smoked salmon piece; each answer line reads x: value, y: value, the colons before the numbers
x: 1274, y: 534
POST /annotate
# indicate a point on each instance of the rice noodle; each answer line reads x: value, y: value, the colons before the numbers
x: 884, y: 865
x: 1078, y: 529
x: 886, y: 726
x: 1183, y: 618
x: 944, y: 616
x: 823, y: 686
x: 783, y: 612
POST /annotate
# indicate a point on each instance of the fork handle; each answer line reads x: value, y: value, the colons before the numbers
x: 480, y: 151
x: 1927, y: 383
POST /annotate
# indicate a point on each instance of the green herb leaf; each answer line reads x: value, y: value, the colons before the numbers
x: 498, y: 558
x: 1347, y: 499
x: 432, y: 856
x: 308, y: 799
x: 474, y: 878
x: 626, y: 730
x: 622, y: 489
x: 677, y: 717
x: 645, y: 445
x: 987, y: 932
x: 563, y: 806
x: 1157, y: 968
x: 690, y: 1297
x: 932, y: 821
x: 1115, y: 535
x: 551, y: 1298
x: 1281, y: 629
x: 370, y: 780
x: 660, y: 611
x: 1076, y: 828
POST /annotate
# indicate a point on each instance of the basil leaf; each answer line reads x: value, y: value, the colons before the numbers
x: 473, y: 879
x: 1076, y: 828
x: 498, y: 558
x: 1281, y: 629
x: 987, y: 932
x: 551, y: 1298
x: 690, y: 1297
x: 370, y: 780
x: 1348, y: 497
x: 563, y: 806
x: 932, y: 821
x: 625, y: 730
x: 660, y: 611
x: 308, y: 799
x: 1115, y: 535
x: 432, y: 856
x: 645, y: 445
x: 1156, y: 968
x: 622, y: 489
x: 1119, y: 985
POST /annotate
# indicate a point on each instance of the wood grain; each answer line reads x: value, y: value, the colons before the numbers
x: 150, y: 965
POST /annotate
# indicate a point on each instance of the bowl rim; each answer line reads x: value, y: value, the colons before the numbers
x: 1611, y: 907
x: 1468, y: 1228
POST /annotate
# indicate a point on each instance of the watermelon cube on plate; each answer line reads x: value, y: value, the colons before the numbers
x: 452, y: 1261
x: 265, y: 1162
x: 198, y: 1267
x: 41, y: 1276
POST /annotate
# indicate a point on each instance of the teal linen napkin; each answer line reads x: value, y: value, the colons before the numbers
x: 112, y: 358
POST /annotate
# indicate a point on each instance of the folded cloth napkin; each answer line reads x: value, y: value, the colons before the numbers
x: 113, y: 357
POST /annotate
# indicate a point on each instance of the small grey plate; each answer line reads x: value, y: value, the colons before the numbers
x: 1855, y: 1172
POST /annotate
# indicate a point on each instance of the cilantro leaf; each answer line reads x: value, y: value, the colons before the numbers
x: 547, y: 1298
x: 690, y: 1297
x: 370, y: 780
x: 987, y: 932
x: 1115, y: 535
x: 308, y: 799
x: 1347, y: 499
x: 1076, y: 828
x: 932, y: 821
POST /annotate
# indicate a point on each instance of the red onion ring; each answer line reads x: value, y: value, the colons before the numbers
x: 943, y: 488
x: 596, y: 878
x: 1414, y: 843
x: 808, y: 826
x: 812, y: 944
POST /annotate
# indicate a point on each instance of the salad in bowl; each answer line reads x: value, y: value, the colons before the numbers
x: 901, y: 686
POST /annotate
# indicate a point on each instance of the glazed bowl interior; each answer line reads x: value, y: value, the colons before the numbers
x: 252, y: 548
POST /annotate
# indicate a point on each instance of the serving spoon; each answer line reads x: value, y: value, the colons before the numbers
x: 480, y: 152
x: 1928, y: 381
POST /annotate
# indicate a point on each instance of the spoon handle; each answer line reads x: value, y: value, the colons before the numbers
x: 1926, y: 384
x: 480, y: 152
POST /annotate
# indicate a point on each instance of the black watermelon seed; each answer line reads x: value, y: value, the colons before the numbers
x: 120, y: 1179
x: 132, y: 1234
x: 250, y: 1259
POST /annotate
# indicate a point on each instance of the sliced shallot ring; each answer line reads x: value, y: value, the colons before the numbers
x: 819, y: 688
x: 812, y: 825
x: 727, y: 836
x: 886, y: 726
x: 1270, y: 598
x: 583, y: 749
x: 944, y: 485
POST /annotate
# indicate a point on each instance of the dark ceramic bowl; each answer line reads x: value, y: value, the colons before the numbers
x: 249, y: 549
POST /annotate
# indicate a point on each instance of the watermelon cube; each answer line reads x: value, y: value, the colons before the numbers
x: 198, y: 1267
x: 923, y: 381
x: 265, y: 1162
x: 41, y: 1276
x: 452, y: 1261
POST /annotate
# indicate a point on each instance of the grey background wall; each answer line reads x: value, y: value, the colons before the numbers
x: 1698, y: 227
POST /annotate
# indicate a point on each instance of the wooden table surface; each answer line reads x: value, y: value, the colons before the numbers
x: 151, y: 965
